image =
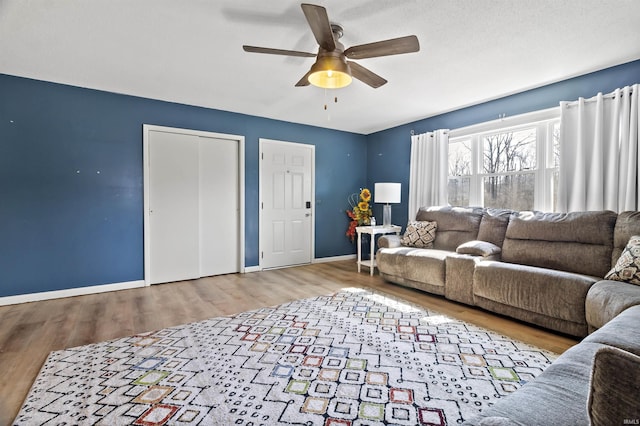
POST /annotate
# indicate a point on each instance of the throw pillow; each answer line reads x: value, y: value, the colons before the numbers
x: 478, y: 248
x: 419, y: 234
x: 627, y: 267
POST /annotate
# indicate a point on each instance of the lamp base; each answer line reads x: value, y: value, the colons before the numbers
x: 386, y: 215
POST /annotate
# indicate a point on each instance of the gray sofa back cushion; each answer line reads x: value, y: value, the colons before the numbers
x: 627, y: 225
x: 493, y: 225
x: 456, y: 225
x: 580, y: 242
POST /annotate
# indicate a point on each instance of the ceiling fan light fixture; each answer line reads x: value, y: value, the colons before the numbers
x: 330, y: 72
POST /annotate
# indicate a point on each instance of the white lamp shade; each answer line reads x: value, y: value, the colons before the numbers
x: 387, y: 192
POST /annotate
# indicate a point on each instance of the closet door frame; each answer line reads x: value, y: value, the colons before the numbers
x: 147, y: 128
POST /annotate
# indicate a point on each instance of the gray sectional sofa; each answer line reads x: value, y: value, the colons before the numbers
x: 543, y: 268
x: 547, y: 269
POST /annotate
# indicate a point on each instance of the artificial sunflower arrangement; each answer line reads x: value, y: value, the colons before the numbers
x: 360, y: 213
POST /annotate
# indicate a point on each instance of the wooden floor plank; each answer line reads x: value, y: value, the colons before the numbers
x: 30, y: 331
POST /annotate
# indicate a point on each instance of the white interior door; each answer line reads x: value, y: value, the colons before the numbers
x: 194, y: 216
x: 286, y: 187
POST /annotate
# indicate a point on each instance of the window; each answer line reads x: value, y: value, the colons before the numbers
x: 459, y: 172
x: 504, y: 164
x: 508, y: 169
x: 555, y: 161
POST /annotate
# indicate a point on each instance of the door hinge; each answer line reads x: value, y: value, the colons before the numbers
x: 262, y: 205
x: 262, y: 254
x: 262, y: 155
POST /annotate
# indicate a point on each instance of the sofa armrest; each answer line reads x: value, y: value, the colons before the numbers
x: 459, y: 277
x: 479, y: 248
x: 389, y: 241
x: 606, y: 299
x: 615, y: 383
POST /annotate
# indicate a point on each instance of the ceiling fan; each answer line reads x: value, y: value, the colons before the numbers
x: 332, y: 70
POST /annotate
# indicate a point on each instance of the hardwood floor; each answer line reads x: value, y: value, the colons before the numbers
x: 30, y: 331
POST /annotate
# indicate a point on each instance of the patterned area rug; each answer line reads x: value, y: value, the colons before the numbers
x: 353, y: 358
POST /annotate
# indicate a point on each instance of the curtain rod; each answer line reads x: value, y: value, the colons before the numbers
x: 413, y: 133
x: 611, y: 95
x: 501, y: 117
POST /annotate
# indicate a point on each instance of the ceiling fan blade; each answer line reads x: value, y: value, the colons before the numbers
x: 254, y: 49
x: 393, y: 46
x: 366, y: 76
x: 320, y: 26
x: 304, y: 81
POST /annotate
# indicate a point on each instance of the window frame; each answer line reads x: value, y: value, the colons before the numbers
x: 544, y: 122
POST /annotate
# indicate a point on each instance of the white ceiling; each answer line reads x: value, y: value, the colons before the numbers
x: 190, y: 51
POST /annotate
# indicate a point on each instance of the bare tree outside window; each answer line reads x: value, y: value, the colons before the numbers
x: 513, y: 167
x: 459, y: 172
x: 556, y: 164
x: 509, y: 162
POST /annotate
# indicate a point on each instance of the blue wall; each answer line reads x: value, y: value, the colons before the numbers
x: 64, y: 225
x: 71, y: 181
x: 389, y: 151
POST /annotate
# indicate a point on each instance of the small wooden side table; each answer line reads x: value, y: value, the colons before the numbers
x: 373, y: 231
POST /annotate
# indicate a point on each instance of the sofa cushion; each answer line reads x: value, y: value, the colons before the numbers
x: 606, y: 299
x: 627, y: 268
x: 622, y: 331
x: 419, y: 234
x: 615, y: 388
x: 426, y: 266
x: 413, y: 264
x: 493, y: 225
x: 478, y: 248
x: 580, y: 242
x: 547, y: 292
x: 456, y: 225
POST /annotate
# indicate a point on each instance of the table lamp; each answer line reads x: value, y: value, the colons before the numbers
x: 387, y: 193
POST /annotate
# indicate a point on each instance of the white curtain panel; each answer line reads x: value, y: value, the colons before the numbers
x: 599, y: 152
x: 428, y: 170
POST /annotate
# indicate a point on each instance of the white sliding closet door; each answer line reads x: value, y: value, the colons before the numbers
x: 174, y: 195
x: 219, y: 207
x: 193, y: 221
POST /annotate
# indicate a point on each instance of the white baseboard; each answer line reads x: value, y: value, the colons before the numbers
x: 317, y: 260
x: 334, y: 258
x: 79, y: 291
